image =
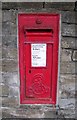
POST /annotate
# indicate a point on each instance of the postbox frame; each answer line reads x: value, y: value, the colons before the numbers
x: 22, y: 68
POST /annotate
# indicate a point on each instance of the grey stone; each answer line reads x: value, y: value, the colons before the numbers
x: 13, y: 91
x: 9, y: 53
x: 9, y: 90
x: 0, y: 114
x: 10, y: 102
x: 68, y: 17
x: 67, y: 103
x: 0, y: 101
x: 9, y: 28
x: 4, y: 89
x: 67, y: 86
x: 0, y: 66
x: 68, y: 91
x: 26, y: 5
x: 0, y: 51
x: 74, y: 55
x: 9, y: 41
x: 60, y: 5
x: 67, y: 78
x: 69, y: 42
x: 68, y: 113
x: 9, y: 16
x: 67, y: 67
x: 7, y: 112
x: 11, y: 79
x: 69, y: 30
x: 66, y: 55
x: 9, y: 65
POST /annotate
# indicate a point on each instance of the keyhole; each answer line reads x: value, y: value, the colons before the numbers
x: 29, y: 71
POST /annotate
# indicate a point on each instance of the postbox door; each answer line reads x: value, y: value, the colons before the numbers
x: 38, y: 72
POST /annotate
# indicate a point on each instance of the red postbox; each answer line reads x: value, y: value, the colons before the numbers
x: 38, y: 36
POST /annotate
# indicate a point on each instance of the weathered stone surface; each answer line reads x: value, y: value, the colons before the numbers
x: 4, y: 89
x: 0, y: 101
x: 9, y: 53
x: 67, y: 103
x: 13, y: 91
x: 9, y: 41
x: 74, y: 55
x: 9, y: 28
x: 6, y: 112
x: 61, y: 5
x: 0, y: 51
x: 0, y: 66
x: 69, y: 30
x: 9, y: 16
x: 0, y: 113
x: 8, y: 90
x: 67, y: 78
x: 9, y: 66
x: 67, y: 67
x: 67, y: 86
x: 68, y: 17
x: 32, y: 113
x: 11, y: 79
x: 69, y: 42
x: 66, y: 55
x: 26, y: 5
x: 10, y: 102
x: 67, y: 89
x: 1, y: 78
x: 68, y: 113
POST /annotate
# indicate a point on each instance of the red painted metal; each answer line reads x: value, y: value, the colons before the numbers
x: 38, y: 85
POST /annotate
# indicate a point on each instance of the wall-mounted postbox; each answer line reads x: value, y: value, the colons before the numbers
x: 38, y: 57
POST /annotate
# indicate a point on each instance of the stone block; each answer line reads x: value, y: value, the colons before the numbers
x: 9, y: 53
x: 11, y: 79
x: 0, y: 65
x: 9, y: 16
x: 8, y: 90
x: 9, y: 41
x: 0, y: 114
x: 65, y: 55
x: 67, y: 86
x: 9, y: 65
x: 0, y: 51
x: 9, y: 28
x: 67, y: 78
x: 23, y: 4
x: 4, y: 89
x: 67, y: 103
x: 13, y: 91
x: 67, y: 91
x: 10, y: 102
x: 69, y: 30
x: 60, y: 5
x: 7, y: 113
x: 69, y: 42
x: 68, y: 17
x: 67, y: 67
x: 74, y: 55
x: 0, y: 101
x: 68, y: 113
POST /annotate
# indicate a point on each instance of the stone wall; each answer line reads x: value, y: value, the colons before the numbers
x: 10, y: 83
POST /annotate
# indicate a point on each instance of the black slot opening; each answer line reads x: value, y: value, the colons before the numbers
x: 39, y: 30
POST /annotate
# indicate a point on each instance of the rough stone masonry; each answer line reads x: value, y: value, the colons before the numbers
x: 10, y: 83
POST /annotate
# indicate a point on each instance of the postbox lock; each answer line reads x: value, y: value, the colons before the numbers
x: 38, y: 21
